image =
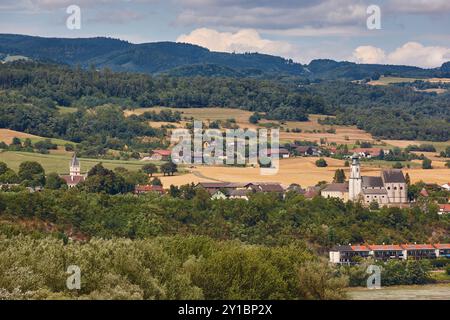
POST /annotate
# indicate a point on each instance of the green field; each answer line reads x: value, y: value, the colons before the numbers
x: 66, y: 110
x: 60, y: 163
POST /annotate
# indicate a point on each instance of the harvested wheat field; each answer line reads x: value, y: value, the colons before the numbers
x: 312, y: 130
x: 295, y: 170
x: 440, y: 146
x: 7, y: 135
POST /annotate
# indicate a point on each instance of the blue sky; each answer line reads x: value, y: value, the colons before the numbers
x: 413, y: 32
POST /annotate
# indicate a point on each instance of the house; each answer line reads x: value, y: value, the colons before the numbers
x: 444, y: 208
x: 240, y: 194
x: 446, y: 186
x: 348, y: 254
x: 424, y: 193
x: 75, y: 177
x: 442, y: 250
x: 367, y: 152
x: 311, y: 192
x: 141, y: 189
x: 218, y: 195
x: 308, y: 151
x: 336, y: 190
x: 281, y: 153
x: 268, y: 187
x: 160, y: 155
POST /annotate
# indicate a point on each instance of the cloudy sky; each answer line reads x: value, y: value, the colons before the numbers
x: 413, y: 32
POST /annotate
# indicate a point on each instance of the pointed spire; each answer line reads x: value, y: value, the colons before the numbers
x: 74, y: 162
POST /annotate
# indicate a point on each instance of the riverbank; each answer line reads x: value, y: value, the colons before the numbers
x: 417, y: 292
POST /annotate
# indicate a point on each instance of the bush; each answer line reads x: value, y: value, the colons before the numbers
x: 321, y: 163
x: 426, y: 164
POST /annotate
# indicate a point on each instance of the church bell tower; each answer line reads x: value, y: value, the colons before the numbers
x: 75, y: 168
x: 355, y: 179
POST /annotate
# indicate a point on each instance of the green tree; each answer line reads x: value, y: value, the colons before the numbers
x: 339, y: 176
x: 156, y: 182
x: 54, y: 181
x: 32, y: 174
x: 3, y: 168
x: 321, y: 163
x: 100, y: 179
x: 397, y: 165
x: 150, y: 168
x: 427, y: 164
x: 169, y: 168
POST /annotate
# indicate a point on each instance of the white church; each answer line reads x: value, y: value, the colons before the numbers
x: 388, y: 189
x: 75, y: 176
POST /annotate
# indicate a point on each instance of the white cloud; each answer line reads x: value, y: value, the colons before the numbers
x: 369, y: 54
x: 419, y: 6
x: 245, y: 40
x: 411, y: 53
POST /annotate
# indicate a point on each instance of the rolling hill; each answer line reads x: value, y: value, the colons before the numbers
x: 182, y: 59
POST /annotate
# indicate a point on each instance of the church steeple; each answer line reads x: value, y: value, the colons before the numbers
x: 75, y: 168
x: 355, y: 181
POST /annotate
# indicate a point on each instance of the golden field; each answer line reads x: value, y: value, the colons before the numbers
x: 344, y: 134
x: 295, y: 170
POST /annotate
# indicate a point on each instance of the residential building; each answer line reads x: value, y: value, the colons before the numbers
x: 336, y: 190
x: 281, y: 153
x: 160, y: 155
x: 348, y: 254
x: 367, y: 152
x: 141, y: 189
x: 444, y: 208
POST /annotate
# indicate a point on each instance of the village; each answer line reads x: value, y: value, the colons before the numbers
x: 389, y: 188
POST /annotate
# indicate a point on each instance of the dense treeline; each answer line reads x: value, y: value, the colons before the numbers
x: 163, y: 268
x: 66, y: 86
x: 385, y: 111
x: 264, y: 219
x: 190, y: 247
x: 389, y: 112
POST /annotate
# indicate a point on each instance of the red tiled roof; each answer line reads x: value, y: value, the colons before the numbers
x: 417, y: 246
x: 162, y: 152
x: 360, y: 248
x: 149, y: 188
x: 442, y: 246
x: 444, y: 207
x: 73, y: 180
x: 383, y: 247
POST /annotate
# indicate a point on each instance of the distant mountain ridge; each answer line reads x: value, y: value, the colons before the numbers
x: 182, y: 59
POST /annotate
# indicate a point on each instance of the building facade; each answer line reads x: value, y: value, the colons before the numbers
x: 389, y: 188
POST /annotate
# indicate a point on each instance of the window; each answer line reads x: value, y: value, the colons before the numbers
x: 401, y: 188
x: 389, y: 188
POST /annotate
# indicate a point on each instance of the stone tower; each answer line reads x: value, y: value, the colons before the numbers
x: 355, y: 182
x: 75, y: 168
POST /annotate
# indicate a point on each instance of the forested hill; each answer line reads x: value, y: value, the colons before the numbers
x: 155, y: 57
x: 181, y: 59
x: 30, y: 92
